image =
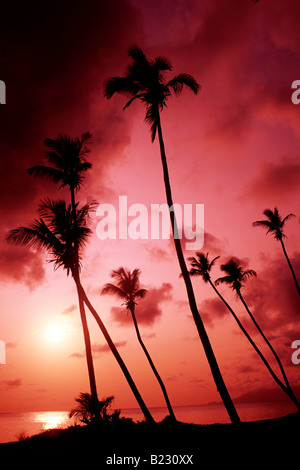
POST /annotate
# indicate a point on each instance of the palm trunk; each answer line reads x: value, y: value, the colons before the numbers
x: 290, y: 266
x: 115, y: 352
x: 171, y: 412
x: 86, y: 334
x: 88, y: 351
x: 287, y: 389
x: 219, y: 381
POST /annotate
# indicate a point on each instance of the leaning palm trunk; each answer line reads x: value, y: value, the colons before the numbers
x: 290, y: 266
x: 89, y: 357
x: 171, y: 412
x: 115, y: 352
x: 287, y: 389
x: 86, y: 334
x: 219, y: 381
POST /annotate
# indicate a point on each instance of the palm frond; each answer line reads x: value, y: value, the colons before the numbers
x: 183, y: 79
x: 121, y: 85
x: 52, y: 174
x: 111, y: 289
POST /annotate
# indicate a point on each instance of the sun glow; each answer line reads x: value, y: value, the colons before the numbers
x: 55, y: 333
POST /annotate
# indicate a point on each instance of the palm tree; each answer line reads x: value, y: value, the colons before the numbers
x: 201, y: 266
x: 275, y: 225
x: 145, y: 81
x: 58, y: 233
x: 85, y: 409
x: 235, y: 276
x: 128, y: 289
x: 67, y: 158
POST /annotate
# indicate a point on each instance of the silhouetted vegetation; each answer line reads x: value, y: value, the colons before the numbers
x: 145, y: 81
x: 128, y: 289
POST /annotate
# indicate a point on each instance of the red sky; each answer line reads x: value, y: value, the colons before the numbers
x: 234, y: 147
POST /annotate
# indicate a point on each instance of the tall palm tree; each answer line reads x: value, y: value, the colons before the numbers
x: 128, y: 289
x: 145, y: 81
x: 275, y: 225
x: 201, y: 266
x: 235, y: 276
x: 57, y: 233
x: 67, y: 157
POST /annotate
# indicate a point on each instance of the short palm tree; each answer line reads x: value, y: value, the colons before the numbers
x: 67, y: 157
x: 235, y: 277
x: 85, y: 409
x: 145, y: 81
x: 275, y: 225
x: 56, y: 232
x: 201, y: 266
x: 127, y: 287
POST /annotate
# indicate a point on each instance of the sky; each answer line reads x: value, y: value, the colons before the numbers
x: 234, y: 148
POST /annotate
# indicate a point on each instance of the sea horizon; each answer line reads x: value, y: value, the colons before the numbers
x: 16, y: 426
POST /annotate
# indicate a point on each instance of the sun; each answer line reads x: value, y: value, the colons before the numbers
x: 54, y: 334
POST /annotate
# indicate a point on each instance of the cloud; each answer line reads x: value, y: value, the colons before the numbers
x: 212, y: 310
x: 11, y: 384
x: 148, y: 309
x: 99, y: 349
x: 21, y: 265
x: 274, y: 181
x: 54, y: 79
x: 70, y: 309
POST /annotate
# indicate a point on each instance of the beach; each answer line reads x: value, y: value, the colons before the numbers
x: 257, y: 443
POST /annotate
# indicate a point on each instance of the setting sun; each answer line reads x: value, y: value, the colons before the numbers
x: 54, y: 333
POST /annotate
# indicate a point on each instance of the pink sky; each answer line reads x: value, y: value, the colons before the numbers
x: 234, y: 147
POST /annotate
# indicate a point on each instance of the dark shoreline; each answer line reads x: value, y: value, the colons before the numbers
x: 258, y: 443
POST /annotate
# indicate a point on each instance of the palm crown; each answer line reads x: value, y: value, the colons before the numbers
x: 274, y: 223
x: 127, y: 286
x: 236, y: 275
x: 56, y: 231
x: 145, y: 80
x: 201, y: 265
x: 69, y: 159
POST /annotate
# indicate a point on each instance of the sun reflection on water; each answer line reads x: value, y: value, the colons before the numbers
x: 52, y: 419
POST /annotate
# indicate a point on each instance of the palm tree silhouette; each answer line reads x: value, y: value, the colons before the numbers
x: 128, y: 289
x: 58, y: 233
x: 67, y: 157
x: 145, y: 81
x: 201, y: 266
x: 84, y: 409
x: 275, y: 225
x: 235, y: 276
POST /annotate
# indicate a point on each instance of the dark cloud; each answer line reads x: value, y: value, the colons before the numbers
x: 54, y: 60
x: 21, y: 265
x: 99, y: 348
x: 10, y: 384
x: 275, y: 181
x: 148, y: 309
x: 212, y: 310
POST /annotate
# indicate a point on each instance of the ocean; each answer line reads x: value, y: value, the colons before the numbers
x: 16, y: 426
